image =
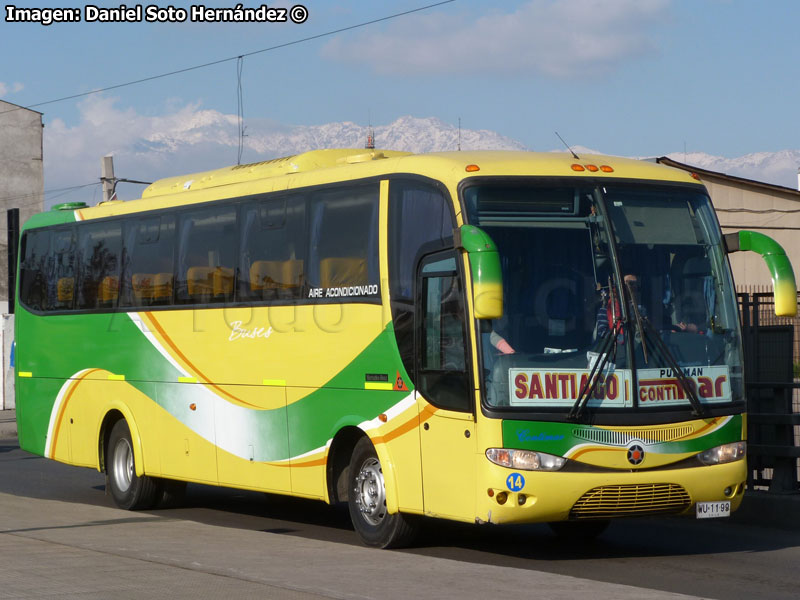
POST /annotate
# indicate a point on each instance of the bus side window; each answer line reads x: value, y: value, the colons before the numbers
x: 344, y: 238
x: 147, y: 262
x: 419, y: 221
x: 442, y: 349
x: 61, y: 271
x: 99, y: 249
x: 34, y: 249
x: 207, y: 255
x: 272, y: 255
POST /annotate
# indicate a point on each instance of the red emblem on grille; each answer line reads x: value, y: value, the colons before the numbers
x: 635, y: 455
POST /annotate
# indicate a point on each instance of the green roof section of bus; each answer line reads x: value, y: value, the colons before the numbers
x: 70, y: 206
x: 51, y: 217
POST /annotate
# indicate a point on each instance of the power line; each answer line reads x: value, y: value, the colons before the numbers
x: 64, y: 190
x: 237, y: 57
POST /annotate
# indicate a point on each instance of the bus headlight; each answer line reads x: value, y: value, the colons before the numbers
x: 723, y: 454
x: 525, y: 460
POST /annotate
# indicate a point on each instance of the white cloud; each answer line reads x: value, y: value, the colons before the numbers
x: 13, y: 88
x: 554, y: 38
x: 189, y: 138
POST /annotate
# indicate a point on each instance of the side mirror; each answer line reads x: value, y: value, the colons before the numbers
x: 783, y: 283
x: 484, y: 261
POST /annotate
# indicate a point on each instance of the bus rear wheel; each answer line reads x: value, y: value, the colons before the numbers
x: 367, y: 502
x: 128, y: 490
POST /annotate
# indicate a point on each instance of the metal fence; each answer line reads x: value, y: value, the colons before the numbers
x: 772, y: 359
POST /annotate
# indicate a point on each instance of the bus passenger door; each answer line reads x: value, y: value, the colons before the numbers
x: 445, y: 395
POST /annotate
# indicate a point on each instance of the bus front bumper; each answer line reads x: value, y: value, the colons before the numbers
x: 510, y: 496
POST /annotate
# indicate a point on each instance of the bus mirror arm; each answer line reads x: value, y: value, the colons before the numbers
x: 731, y: 242
x: 780, y: 268
x: 484, y: 262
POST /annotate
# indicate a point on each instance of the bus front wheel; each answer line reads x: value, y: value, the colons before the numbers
x: 367, y: 502
x: 128, y: 490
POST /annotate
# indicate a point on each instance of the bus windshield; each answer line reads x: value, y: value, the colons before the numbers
x: 616, y: 295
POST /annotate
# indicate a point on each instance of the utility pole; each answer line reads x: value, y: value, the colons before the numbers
x: 110, y: 181
x: 107, y: 177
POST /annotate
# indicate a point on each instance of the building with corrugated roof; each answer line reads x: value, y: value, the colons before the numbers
x: 742, y: 203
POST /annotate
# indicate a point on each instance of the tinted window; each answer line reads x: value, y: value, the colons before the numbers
x: 419, y: 222
x: 35, y: 246
x: 61, y: 271
x: 442, y: 375
x: 148, y: 261
x: 207, y: 255
x: 273, y: 249
x: 259, y: 249
x: 98, y: 262
x: 344, y: 240
x: 420, y: 216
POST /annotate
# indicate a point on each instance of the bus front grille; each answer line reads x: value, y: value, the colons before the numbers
x: 624, y: 437
x: 631, y: 500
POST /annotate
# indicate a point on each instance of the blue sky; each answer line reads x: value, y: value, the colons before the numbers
x: 628, y: 77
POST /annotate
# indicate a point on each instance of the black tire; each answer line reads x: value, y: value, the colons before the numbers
x: 367, y: 502
x: 128, y: 491
x: 579, y: 530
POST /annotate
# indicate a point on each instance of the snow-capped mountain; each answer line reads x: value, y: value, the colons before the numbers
x: 779, y: 168
x: 264, y: 139
x: 192, y: 139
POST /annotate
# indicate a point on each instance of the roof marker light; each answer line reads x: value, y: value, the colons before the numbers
x: 472, y: 168
x: 577, y: 167
x: 592, y: 168
x: 606, y: 169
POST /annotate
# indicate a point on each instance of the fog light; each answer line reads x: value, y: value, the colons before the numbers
x: 521, y: 499
x: 728, y: 491
x: 502, y: 497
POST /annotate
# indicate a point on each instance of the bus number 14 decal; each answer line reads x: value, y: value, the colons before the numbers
x: 515, y: 482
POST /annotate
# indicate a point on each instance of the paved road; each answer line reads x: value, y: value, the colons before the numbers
x: 60, y: 538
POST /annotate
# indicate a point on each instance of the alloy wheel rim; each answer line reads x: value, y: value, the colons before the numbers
x: 370, y: 492
x: 123, y: 465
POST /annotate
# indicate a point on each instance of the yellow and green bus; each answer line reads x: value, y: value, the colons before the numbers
x: 489, y: 337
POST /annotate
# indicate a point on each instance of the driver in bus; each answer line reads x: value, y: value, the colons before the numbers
x: 695, y: 297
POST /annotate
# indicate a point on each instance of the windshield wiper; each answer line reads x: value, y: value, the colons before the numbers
x: 606, y: 342
x: 687, y: 385
x: 637, y: 319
